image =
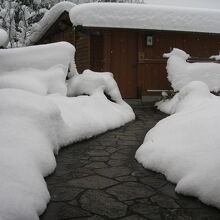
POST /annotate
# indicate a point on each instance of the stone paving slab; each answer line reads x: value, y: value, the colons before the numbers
x: 99, y: 179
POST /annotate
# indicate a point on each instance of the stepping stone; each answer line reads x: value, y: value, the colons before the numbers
x: 130, y: 190
x: 113, y: 171
x: 96, y: 165
x: 64, y: 193
x: 164, y: 201
x: 61, y: 210
x: 100, y: 203
x: 151, y: 212
x: 92, y: 182
x: 97, y: 153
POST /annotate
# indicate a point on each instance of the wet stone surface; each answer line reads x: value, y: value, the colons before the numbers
x: 99, y: 179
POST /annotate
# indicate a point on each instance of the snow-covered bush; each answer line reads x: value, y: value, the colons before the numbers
x: 43, y: 82
x: 88, y: 82
x: 180, y: 72
x: 185, y: 146
x: 18, y: 16
x: 40, y: 57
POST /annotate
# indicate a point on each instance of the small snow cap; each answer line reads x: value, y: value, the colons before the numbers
x: 177, y: 52
x: 4, y: 39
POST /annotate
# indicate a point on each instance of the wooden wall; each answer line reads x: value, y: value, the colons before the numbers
x: 82, y: 57
x: 139, y: 69
x: 61, y: 30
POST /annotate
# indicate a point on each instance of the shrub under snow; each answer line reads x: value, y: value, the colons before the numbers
x: 180, y: 72
x: 185, y: 146
x: 34, y: 125
x: 40, y: 57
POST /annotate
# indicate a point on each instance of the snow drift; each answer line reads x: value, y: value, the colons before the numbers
x: 180, y: 72
x: 185, y: 146
x: 36, y: 119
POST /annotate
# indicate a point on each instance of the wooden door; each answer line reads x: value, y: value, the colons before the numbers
x: 123, y: 61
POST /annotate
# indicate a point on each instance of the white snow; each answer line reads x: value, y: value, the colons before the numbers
x: 214, y: 4
x: 3, y: 38
x: 43, y: 82
x: 185, y: 146
x: 34, y: 125
x: 40, y: 57
x: 146, y: 16
x: 40, y: 28
x: 90, y: 81
x: 215, y: 57
x: 180, y: 72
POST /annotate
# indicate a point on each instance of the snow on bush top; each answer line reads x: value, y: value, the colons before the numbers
x: 146, y: 16
x: 3, y: 38
x: 40, y: 57
x: 180, y: 72
x: 40, y: 28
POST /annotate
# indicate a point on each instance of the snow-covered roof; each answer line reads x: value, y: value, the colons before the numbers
x: 146, y: 16
x: 40, y: 28
x: 3, y: 38
x: 215, y: 4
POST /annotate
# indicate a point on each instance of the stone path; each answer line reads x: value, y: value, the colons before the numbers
x: 99, y: 179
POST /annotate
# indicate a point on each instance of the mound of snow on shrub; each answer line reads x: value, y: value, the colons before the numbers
x: 185, y: 146
x: 90, y: 81
x: 42, y: 82
x: 34, y: 125
x: 180, y: 72
x: 40, y: 57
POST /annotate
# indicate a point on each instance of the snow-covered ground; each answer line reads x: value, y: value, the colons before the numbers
x: 180, y: 72
x: 185, y: 146
x: 36, y: 119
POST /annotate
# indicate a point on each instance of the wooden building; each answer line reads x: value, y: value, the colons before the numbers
x: 133, y: 55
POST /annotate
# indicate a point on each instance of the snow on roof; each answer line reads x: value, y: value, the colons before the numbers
x: 146, y: 16
x: 3, y: 38
x: 215, y: 4
x: 40, y: 28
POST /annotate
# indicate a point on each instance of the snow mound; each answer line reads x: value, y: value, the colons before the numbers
x: 36, y: 120
x: 42, y: 82
x: 3, y: 38
x: 29, y: 134
x: 89, y: 81
x: 185, y: 146
x: 180, y: 72
x: 40, y: 28
x: 40, y: 57
x: 146, y: 16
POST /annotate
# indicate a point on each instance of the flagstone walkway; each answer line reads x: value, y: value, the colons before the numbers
x: 100, y: 179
